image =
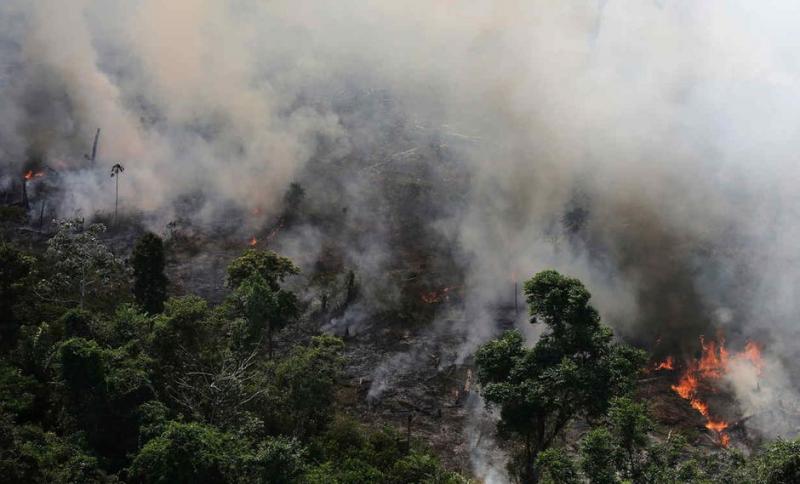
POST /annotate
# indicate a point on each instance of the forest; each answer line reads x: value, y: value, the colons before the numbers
x: 106, y: 377
x: 428, y: 241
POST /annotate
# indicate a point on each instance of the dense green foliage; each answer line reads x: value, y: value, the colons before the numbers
x: 576, y: 373
x: 256, y: 278
x: 573, y: 370
x: 15, y: 274
x: 149, y: 281
x: 105, y: 379
x: 620, y: 449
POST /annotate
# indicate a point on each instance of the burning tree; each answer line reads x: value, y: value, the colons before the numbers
x: 573, y: 371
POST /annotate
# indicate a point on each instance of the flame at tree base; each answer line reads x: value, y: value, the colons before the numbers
x: 712, y: 365
x: 667, y: 364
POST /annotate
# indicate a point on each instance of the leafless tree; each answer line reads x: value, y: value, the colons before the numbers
x: 218, y: 391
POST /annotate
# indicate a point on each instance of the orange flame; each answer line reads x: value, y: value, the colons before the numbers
x: 433, y: 297
x: 712, y: 365
x: 253, y: 241
x: 687, y: 385
x: 752, y: 353
x: 667, y: 364
x: 30, y: 175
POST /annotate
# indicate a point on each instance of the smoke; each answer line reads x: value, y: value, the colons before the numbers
x: 644, y: 147
x: 486, y: 457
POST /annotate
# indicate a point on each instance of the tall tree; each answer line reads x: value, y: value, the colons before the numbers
x: 149, y: 281
x: 267, y: 310
x: 15, y: 274
x: 272, y: 267
x: 573, y: 370
x: 256, y: 277
x: 81, y: 264
x: 116, y: 171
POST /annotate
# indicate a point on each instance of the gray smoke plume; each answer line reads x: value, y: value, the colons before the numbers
x: 644, y: 147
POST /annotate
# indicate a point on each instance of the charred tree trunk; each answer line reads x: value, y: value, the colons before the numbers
x: 41, y: 215
x: 25, y: 203
x: 94, y: 147
x: 116, y: 200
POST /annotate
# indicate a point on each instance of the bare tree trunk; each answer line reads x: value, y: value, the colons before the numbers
x: 116, y: 200
x: 41, y: 215
x: 25, y: 195
x: 94, y: 146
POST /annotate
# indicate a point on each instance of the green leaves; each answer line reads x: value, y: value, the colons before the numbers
x: 180, y: 395
x: 560, y: 302
x: 17, y: 391
x: 83, y: 269
x: 778, y: 463
x: 82, y: 366
x: 188, y: 453
x: 496, y: 359
x: 256, y: 278
x: 572, y: 371
x: 16, y: 270
x: 350, y: 452
x: 304, y: 384
x: 597, y: 451
x: 150, y: 283
x: 557, y: 467
x: 272, y: 268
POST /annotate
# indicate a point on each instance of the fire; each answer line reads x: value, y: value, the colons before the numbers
x: 717, y: 426
x: 433, y: 297
x: 713, y: 364
x: 714, y: 361
x: 667, y: 364
x: 752, y: 353
x: 253, y: 241
x: 687, y: 385
x: 30, y: 175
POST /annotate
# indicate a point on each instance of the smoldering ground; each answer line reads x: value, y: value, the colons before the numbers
x: 644, y: 147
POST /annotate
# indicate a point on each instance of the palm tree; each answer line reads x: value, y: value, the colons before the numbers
x: 116, y: 170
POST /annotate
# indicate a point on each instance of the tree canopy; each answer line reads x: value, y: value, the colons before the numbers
x: 149, y: 281
x: 573, y: 371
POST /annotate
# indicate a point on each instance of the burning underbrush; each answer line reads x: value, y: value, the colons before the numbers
x: 705, y: 383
